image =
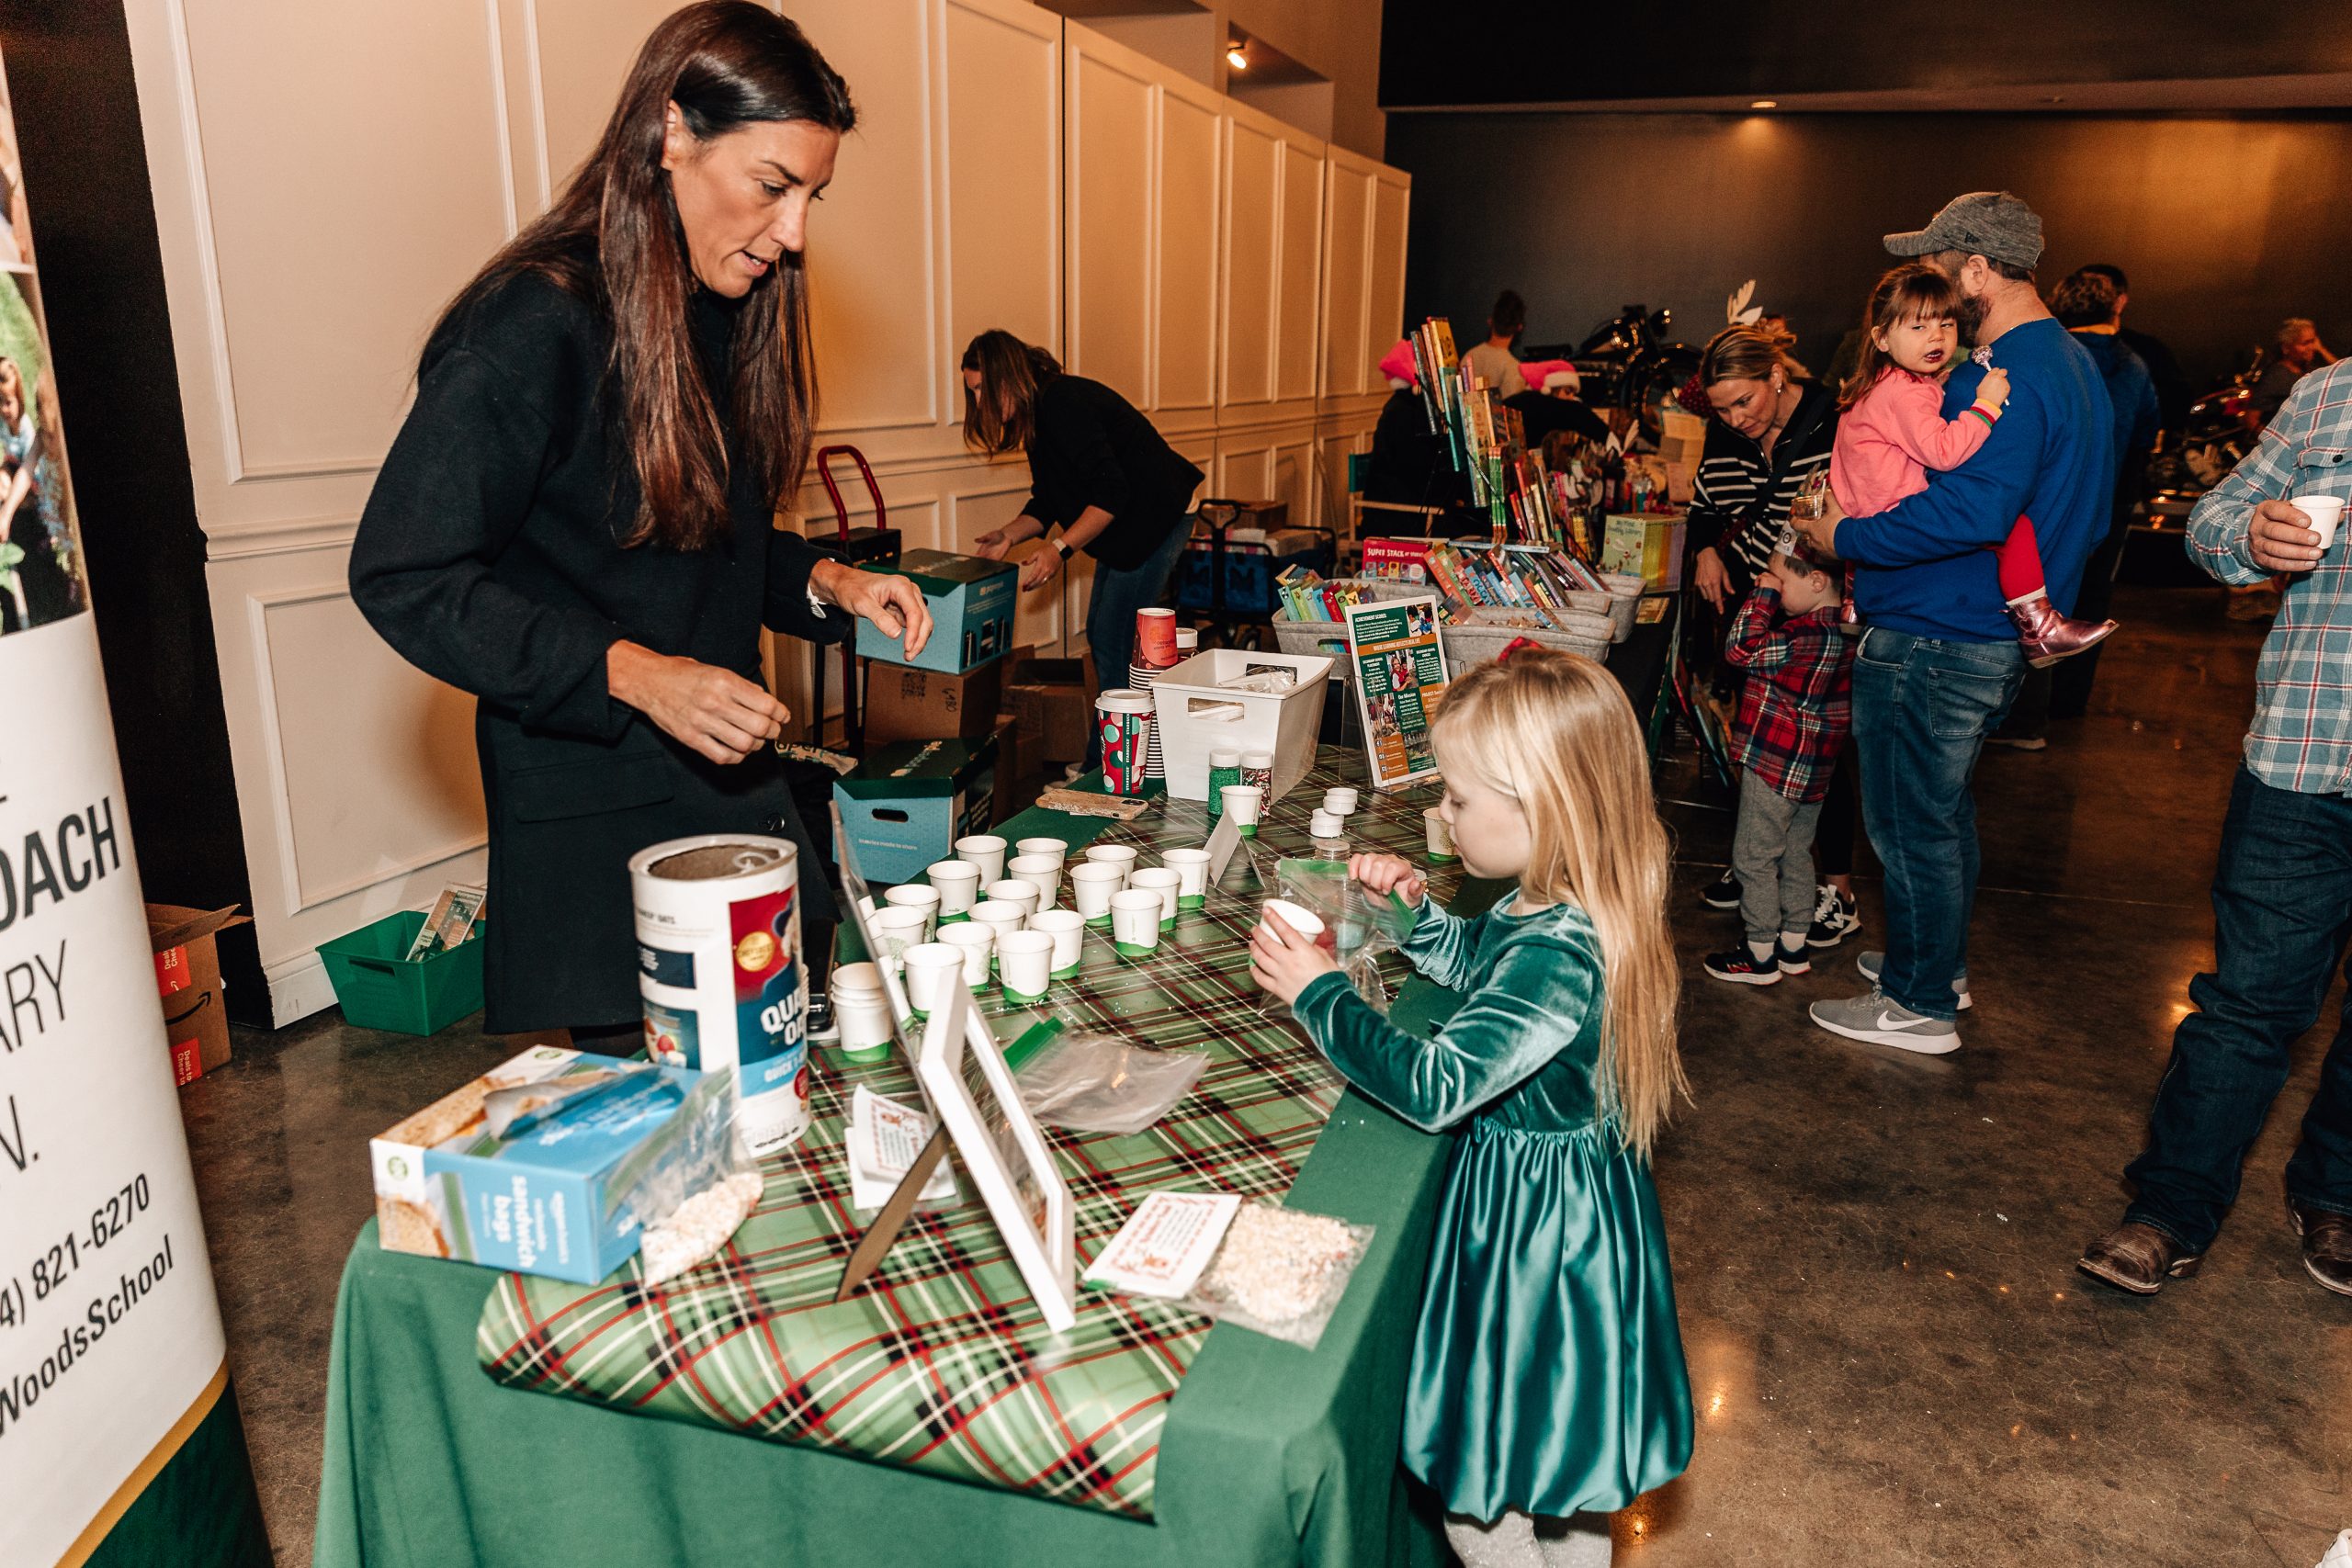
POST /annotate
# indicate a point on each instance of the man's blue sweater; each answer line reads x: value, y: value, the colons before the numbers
x: 1924, y: 567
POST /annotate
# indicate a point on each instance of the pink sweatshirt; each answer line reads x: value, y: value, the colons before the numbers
x: 1887, y: 442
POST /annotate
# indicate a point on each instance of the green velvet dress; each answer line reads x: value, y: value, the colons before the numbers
x: 1547, y: 1372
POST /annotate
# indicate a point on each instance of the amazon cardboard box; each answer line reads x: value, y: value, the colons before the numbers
x: 907, y: 703
x: 1050, y: 698
x: 187, y: 976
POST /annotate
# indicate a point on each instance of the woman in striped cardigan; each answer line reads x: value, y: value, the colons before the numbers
x: 1771, y: 432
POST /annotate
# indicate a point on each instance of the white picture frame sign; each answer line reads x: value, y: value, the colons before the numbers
x: 1042, y: 1239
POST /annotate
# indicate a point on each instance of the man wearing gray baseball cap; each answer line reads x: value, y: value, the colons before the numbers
x: 1938, y: 662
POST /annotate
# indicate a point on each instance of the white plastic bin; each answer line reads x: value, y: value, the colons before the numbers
x: 1197, y: 715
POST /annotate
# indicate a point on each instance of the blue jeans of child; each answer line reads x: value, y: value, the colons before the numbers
x: 1111, y: 617
x: 1922, y: 708
x: 2282, y: 910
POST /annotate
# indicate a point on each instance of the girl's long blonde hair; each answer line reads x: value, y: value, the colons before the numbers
x: 1554, y: 732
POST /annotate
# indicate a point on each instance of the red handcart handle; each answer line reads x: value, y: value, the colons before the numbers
x: 825, y: 456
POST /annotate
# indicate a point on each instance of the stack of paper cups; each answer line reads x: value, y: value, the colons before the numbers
x: 1140, y: 680
x: 1155, y: 636
x: 1124, y: 720
x: 720, y: 970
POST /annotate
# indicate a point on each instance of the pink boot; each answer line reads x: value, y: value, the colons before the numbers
x: 2048, y: 636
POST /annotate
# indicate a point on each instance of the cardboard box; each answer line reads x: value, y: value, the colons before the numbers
x: 1013, y: 768
x: 903, y: 703
x: 1648, y: 543
x: 1056, y: 707
x: 971, y: 612
x: 546, y: 1199
x: 907, y: 804
x: 187, y: 977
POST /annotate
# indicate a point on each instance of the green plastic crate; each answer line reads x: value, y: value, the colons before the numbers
x: 380, y: 988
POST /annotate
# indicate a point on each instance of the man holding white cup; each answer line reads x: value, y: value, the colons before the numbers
x: 2282, y: 891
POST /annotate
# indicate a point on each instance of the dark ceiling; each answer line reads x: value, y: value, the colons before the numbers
x: 1467, y: 53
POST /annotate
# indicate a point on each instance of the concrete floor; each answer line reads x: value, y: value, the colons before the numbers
x: 1893, y: 1360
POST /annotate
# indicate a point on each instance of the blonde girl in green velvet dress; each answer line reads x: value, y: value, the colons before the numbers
x: 1548, y: 1386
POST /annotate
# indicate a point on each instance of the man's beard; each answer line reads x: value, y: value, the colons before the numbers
x: 1968, y: 317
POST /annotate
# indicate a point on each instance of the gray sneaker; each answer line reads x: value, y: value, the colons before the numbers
x: 1870, y: 964
x: 1876, y: 1019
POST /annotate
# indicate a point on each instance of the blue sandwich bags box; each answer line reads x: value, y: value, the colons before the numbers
x: 971, y: 612
x: 907, y: 804
x: 528, y: 1166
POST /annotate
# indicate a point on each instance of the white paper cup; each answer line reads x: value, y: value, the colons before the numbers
x: 917, y: 896
x: 1193, y: 866
x: 1121, y: 855
x: 1000, y: 917
x: 931, y: 970
x: 958, y: 882
x: 896, y: 929
x: 1342, y: 800
x: 1068, y: 928
x: 1327, y: 825
x: 1043, y: 849
x: 985, y: 851
x: 1441, y: 837
x: 862, y: 1009
x: 1242, y: 803
x: 1025, y: 961
x: 1135, y: 921
x: 2326, y: 513
x: 977, y: 942
x: 1092, y: 883
x: 1304, y: 922
x: 1165, y: 883
x: 1015, y: 891
x: 1038, y: 872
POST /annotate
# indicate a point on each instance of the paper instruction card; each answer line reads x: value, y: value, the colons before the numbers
x: 884, y: 1137
x: 1165, y: 1244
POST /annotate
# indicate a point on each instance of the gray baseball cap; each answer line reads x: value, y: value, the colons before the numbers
x: 1982, y: 224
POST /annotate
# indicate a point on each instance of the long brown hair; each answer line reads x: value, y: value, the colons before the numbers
x: 614, y: 240
x: 1914, y: 291
x: 1000, y: 415
x: 1554, y: 732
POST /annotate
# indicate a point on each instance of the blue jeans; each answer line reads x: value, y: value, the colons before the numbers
x: 1111, y: 617
x: 1922, y: 708
x: 2282, y: 910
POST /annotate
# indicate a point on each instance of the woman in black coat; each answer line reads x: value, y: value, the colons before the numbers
x: 1099, y: 470
x: 576, y: 522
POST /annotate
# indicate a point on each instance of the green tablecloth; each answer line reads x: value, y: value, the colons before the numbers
x: 1269, y: 1454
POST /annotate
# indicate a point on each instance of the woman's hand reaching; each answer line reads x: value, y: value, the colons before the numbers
x: 1711, y: 577
x: 892, y: 602
x: 717, y: 712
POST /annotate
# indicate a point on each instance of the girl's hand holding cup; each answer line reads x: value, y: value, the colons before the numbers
x: 1283, y: 960
x: 1388, y: 874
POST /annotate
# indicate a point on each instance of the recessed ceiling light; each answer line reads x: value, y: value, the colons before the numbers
x: 1237, y: 54
x: 1765, y: 104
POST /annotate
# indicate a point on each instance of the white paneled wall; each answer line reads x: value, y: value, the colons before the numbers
x: 1234, y: 277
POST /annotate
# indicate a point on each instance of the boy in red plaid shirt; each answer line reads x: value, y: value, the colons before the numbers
x: 1794, y: 711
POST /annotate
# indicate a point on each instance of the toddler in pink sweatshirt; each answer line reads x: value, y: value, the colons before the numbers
x: 1892, y: 430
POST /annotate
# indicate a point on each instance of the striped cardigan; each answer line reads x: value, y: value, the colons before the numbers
x: 1733, y: 474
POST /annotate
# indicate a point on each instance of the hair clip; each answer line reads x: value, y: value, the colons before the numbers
x: 1514, y: 646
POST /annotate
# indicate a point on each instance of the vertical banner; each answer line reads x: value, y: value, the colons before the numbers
x: 112, y: 1361
x: 1399, y: 668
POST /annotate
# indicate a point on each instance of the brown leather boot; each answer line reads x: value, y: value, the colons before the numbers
x: 2048, y: 636
x: 2137, y: 1259
x: 2327, y: 1245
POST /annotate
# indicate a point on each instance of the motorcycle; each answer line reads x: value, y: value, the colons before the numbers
x: 1627, y: 362
x: 2220, y: 429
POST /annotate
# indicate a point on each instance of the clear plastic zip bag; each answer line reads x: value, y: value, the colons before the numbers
x: 1097, y: 1083
x: 1279, y: 1272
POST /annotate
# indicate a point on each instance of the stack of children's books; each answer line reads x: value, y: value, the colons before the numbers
x: 1473, y: 582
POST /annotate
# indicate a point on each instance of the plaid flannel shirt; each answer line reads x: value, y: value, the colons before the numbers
x: 1797, y: 704
x: 2302, y: 736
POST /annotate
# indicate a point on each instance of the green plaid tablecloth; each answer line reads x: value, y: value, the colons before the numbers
x: 942, y: 1363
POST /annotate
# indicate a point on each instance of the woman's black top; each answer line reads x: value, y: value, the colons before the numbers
x: 1092, y: 447
x: 1740, y: 500
x: 1410, y: 464
x: 490, y: 555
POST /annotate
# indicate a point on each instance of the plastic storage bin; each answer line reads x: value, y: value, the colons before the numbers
x: 1195, y: 715
x: 380, y: 988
